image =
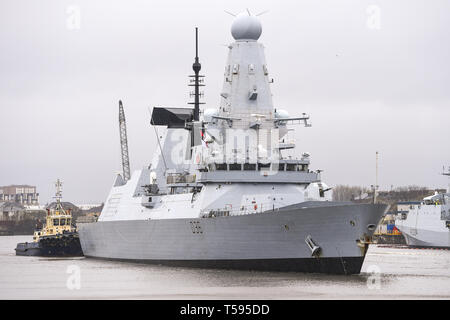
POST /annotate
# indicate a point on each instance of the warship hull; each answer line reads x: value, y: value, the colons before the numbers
x: 426, y: 225
x: 268, y: 241
x: 422, y: 238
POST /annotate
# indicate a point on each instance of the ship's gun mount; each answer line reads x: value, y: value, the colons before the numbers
x: 151, y: 189
x: 151, y: 195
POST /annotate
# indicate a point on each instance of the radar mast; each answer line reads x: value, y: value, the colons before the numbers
x: 196, y: 82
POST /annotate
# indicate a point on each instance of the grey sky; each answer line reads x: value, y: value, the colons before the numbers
x: 365, y: 89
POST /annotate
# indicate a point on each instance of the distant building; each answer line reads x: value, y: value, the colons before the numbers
x: 23, y: 194
x: 11, y: 211
x: 34, y: 207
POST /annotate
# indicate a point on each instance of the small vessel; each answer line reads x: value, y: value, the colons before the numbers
x: 386, y: 231
x: 57, y: 238
x: 426, y: 223
x: 223, y: 190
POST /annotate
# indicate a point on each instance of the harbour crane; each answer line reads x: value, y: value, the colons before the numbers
x: 124, y: 143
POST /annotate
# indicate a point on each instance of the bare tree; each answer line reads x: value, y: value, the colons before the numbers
x: 348, y: 193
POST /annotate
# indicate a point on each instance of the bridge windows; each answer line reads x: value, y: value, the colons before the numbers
x: 299, y: 167
x: 291, y: 167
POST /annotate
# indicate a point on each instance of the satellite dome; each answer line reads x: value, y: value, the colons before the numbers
x: 246, y: 27
x: 208, y: 114
x: 281, y: 114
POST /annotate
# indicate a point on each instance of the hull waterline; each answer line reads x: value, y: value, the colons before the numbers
x: 271, y: 241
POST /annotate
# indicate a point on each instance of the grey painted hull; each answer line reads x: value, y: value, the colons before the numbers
x: 425, y: 238
x: 272, y: 241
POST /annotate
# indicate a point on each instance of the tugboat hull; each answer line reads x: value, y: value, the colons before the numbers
x: 67, y: 245
x: 28, y: 249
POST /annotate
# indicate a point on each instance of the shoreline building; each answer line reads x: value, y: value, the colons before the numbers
x: 11, y: 211
x: 23, y: 194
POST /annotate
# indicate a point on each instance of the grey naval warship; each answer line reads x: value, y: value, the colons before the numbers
x: 225, y: 188
x: 426, y: 223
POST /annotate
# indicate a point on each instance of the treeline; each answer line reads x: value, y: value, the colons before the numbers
x: 408, y: 193
x: 391, y: 197
x: 24, y: 223
x: 349, y: 193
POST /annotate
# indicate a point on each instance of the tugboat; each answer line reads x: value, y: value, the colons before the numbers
x: 57, y: 238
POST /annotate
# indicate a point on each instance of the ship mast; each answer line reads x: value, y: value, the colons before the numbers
x: 447, y: 174
x: 375, y: 187
x: 58, y: 196
x: 124, y: 143
x: 196, y: 82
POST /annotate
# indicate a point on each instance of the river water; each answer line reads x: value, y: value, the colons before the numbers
x: 388, y: 273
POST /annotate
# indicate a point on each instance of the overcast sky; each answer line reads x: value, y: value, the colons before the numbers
x: 373, y: 75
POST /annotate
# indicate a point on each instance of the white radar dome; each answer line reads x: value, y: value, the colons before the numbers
x: 209, y: 113
x: 281, y: 114
x: 246, y: 27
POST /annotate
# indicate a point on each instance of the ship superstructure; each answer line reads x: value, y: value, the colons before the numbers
x: 225, y: 188
x: 426, y: 223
